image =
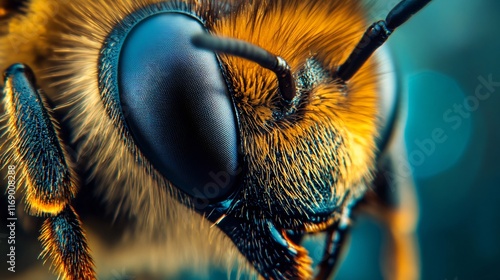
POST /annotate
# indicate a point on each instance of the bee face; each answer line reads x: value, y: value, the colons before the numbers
x: 296, y: 164
x: 177, y: 135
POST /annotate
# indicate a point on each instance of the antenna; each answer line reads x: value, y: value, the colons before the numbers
x: 277, y: 64
x: 376, y: 35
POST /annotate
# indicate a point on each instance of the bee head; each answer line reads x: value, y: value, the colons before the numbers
x: 274, y: 142
x: 271, y: 145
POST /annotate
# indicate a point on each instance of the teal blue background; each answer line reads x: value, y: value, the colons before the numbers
x: 441, y: 54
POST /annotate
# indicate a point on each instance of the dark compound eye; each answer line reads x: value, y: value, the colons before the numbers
x: 179, y: 110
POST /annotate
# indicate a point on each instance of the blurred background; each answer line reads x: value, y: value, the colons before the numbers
x: 446, y: 54
x: 449, y: 63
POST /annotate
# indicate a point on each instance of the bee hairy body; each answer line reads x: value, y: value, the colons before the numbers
x: 300, y: 165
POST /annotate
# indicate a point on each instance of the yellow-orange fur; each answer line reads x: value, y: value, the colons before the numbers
x: 296, y: 31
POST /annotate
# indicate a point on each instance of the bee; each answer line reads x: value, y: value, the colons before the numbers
x: 227, y: 131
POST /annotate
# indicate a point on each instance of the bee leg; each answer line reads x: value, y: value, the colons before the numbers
x: 63, y: 240
x: 336, y: 239
x: 46, y: 172
x: 393, y: 202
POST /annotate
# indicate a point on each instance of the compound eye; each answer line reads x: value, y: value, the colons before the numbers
x: 177, y: 106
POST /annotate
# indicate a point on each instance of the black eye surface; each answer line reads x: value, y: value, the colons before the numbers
x: 177, y: 106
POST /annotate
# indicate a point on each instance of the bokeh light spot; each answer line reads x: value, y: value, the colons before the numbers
x: 439, y: 123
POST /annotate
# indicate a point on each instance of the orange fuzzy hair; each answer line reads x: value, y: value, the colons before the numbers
x: 296, y: 31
